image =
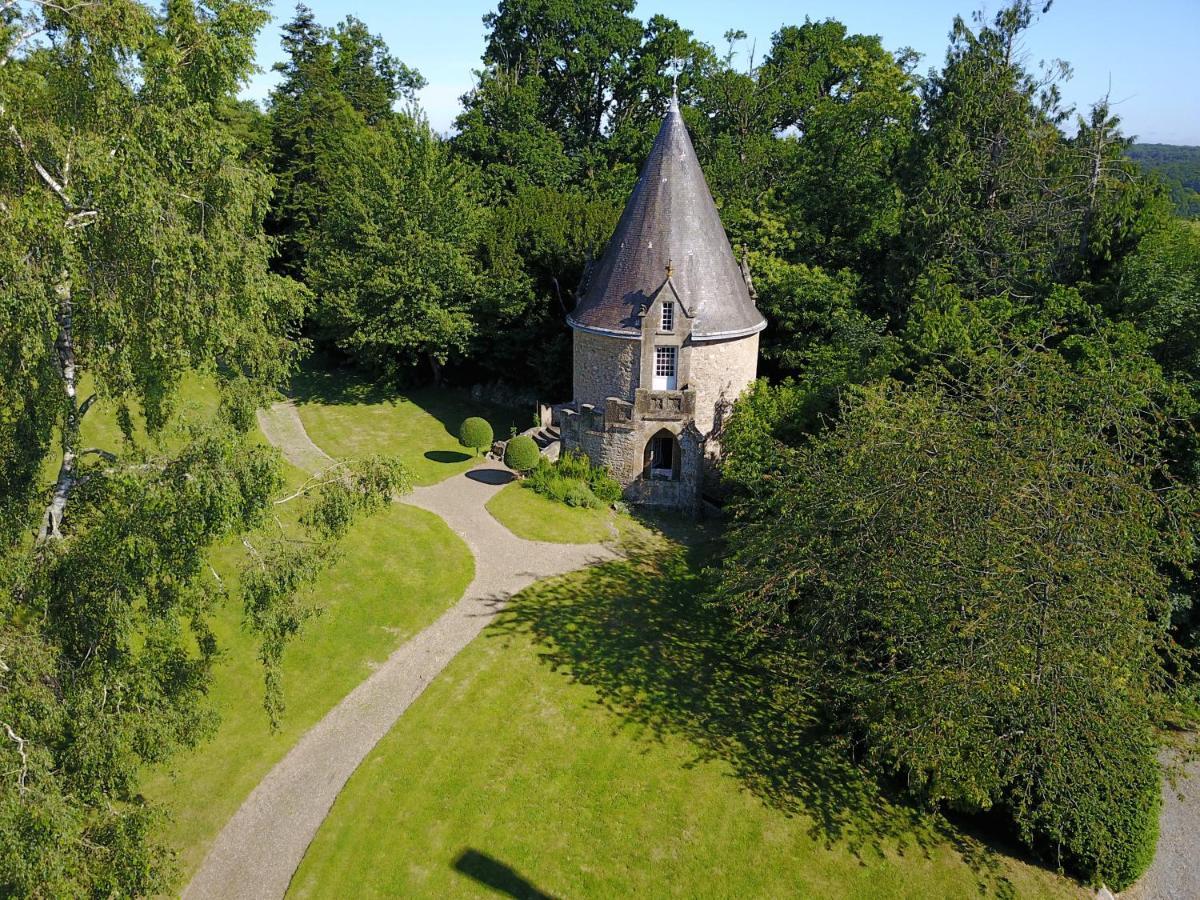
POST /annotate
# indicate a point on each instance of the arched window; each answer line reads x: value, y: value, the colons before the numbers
x: 661, y: 459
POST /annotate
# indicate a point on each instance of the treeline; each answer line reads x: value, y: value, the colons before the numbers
x: 963, y: 499
x: 1179, y: 168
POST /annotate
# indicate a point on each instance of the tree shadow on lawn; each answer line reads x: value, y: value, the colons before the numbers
x: 500, y: 877
x: 446, y: 456
x: 323, y: 381
x: 640, y: 633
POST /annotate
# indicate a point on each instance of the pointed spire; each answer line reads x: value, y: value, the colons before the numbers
x: 669, y: 220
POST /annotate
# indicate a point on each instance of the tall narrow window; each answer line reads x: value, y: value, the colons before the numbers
x: 668, y: 315
x: 664, y: 369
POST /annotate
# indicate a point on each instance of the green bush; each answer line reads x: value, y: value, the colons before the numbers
x: 606, y: 488
x: 475, y: 433
x: 1094, y: 813
x: 521, y: 453
x: 579, y: 496
x: 573, y: 480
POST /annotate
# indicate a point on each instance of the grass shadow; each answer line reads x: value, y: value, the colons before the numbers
x: 446, y: 456
x: 501, y: 878
x: 640, y: 634
x: 322, y: 380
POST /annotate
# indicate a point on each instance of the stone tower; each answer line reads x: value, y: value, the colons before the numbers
x: 665, y: 335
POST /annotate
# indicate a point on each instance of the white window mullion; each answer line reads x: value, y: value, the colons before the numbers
x: 665, y: 368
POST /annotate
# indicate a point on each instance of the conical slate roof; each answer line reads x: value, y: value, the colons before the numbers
x: 670, y: 218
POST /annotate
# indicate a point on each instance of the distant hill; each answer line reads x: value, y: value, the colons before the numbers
x: 1180, y: 169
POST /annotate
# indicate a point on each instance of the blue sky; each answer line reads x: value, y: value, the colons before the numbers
x: 1148, y: 51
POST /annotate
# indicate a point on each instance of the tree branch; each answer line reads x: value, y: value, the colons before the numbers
x: 20, y: 742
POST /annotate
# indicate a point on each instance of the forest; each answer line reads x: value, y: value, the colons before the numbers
x: 1179, y: 168
x: 961, y: 500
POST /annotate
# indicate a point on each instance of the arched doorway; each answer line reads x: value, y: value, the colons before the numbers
x: 661, y: 459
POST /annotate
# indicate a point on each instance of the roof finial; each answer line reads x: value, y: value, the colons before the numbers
x: 676, y: 63
x: 670, y: 268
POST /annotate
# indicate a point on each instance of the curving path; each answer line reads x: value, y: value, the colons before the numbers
x: 1175, y: 872
x: 258, y: 850
x: 281, y: 426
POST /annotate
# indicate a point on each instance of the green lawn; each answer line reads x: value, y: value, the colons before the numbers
x: 599, y: 741
x: 348, y: 416
x: 533, y: 517
x: 398, y: 571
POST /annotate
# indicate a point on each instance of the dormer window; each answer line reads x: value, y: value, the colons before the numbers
x: 668, y: 315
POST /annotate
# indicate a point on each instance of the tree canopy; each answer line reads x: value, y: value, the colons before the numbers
x: 962, y: 496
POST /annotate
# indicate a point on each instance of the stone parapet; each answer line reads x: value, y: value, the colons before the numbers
x: 664, y: 406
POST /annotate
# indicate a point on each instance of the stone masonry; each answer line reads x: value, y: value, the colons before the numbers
x: 665, y: 336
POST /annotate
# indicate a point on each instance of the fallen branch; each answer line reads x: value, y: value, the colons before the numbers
x: 20, y: 742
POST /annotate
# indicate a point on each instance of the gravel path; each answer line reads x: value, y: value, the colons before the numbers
x: 1175, y: 872
x: 281, y: 426
x: 259, y: 849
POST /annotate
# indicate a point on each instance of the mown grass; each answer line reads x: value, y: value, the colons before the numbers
x: 348, y: 415
x: 395, y: 573
x: 533, y: 517
x: 602, y: 740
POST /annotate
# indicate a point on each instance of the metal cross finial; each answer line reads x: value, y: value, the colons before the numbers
x: 676, y: 62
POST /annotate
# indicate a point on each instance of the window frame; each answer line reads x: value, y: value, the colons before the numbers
x: 665, y: 367
x: 667, y: 316
x: 666, y: 353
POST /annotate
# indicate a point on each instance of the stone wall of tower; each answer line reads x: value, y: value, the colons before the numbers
x: 718, y: 371
x: 604, y: 367
x: 616, y: 435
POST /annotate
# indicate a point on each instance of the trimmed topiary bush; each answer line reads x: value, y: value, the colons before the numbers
x: 475, y: 433
x: 521, y: 453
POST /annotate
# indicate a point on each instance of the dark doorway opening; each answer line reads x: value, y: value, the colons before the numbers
x: 662, y: 457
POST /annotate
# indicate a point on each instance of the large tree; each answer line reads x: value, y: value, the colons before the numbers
x: 974, y: 567
x: 334, y: 82
x: 392, y: 261
x: 131, y: 257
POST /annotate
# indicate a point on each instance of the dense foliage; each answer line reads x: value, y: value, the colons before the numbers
x: 1179, y: 168
x: 573, y: 479
x: 964, y: 491
x: 132, y: 256
x: 975, y: 564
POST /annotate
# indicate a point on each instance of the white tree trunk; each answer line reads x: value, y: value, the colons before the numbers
x: 67, y: 475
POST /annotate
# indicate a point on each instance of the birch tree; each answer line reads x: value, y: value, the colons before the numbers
x: 132, y: 254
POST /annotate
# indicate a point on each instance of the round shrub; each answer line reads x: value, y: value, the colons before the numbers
x: 521, y: 453
x: 475, y: 433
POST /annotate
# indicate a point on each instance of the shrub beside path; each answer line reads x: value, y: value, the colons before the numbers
x: 1175, y: 872
x: 258, y: 850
